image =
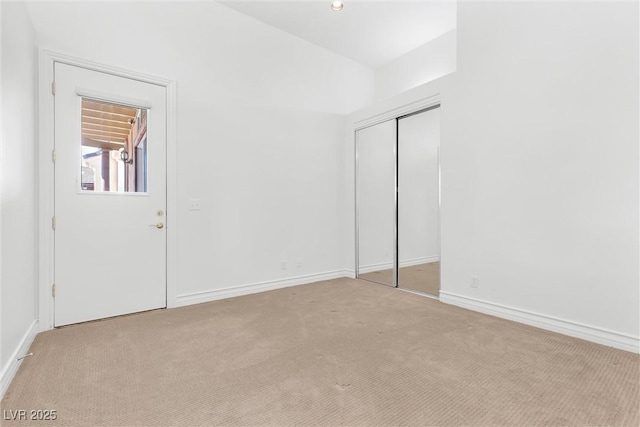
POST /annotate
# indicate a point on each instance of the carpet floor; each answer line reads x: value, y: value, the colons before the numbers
x: 423, y: 278
x: 339, y: 352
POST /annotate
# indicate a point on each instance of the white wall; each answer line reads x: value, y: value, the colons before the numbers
x: 259, y: 131
x: 18, y: 179
x: 540, y: 170
x: 428, y: 62
x: 218, y: 56
x: 542, y: 154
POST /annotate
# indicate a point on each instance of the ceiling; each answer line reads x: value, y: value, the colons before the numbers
x: 106, y: 125
x: 367, y: 31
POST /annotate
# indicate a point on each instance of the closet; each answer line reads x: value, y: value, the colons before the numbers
x: 398, y: 202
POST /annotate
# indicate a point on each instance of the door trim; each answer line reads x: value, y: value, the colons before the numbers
x: 45, y: 171
x: 401, y: 111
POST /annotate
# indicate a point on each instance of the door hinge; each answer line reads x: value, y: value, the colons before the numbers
x: 53, y: 290
x: 53, y: 222
x: 53, y: 88
x: 53, y: 156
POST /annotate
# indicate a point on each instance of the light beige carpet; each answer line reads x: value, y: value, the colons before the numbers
x: 423, y: 278
x: 339, y: 352
x: 384, y: 277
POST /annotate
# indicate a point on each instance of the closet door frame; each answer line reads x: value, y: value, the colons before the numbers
x: 395, y: 114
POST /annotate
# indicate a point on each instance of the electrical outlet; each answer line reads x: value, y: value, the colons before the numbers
x: 475, y: 282
x: 195, y: 204
x: 283, y: 265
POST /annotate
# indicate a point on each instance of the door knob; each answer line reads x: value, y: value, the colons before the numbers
x: 157, y: 225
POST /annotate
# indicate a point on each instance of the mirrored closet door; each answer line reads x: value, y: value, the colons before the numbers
x: 398, y: 202
x: 419, y: 202
x: 375, y: 203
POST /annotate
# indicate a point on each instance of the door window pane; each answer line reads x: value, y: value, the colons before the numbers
x: 114, y: 147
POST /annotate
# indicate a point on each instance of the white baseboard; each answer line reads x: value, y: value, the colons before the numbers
x: 363, y: 269
x: 550, y: 323
x: 235, y: 291
x: 418, y: 261
x: 9, y: 371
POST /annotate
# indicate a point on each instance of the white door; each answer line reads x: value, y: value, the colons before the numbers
x: 110, y: 195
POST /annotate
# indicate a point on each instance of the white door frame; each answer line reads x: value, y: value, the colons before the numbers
x: 46, y: 61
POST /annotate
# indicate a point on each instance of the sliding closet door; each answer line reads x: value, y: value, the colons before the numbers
x: 419, y: 202
x: 375, y: 197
